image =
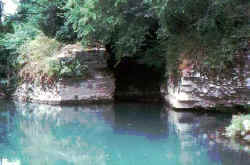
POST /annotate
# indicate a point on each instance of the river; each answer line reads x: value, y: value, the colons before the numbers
x: 113, y: 134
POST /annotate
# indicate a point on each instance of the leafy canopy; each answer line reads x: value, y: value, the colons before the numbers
x: 208, y: 32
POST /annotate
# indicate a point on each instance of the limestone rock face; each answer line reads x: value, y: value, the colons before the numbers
x: 97, y: 86
x: 196, y: 91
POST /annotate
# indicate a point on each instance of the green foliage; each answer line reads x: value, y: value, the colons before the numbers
x: 236, y: 127
x: 207, y: 32
x: 66, y: 34
x: 35, y: 56
x: 67, y: 67
x: 12, y: 36
x: 47, y: 16
x: 23, y: 33
x: 12, y: 42
x: 123, y: 24
x: 40, y: 47
x: 38, y: 58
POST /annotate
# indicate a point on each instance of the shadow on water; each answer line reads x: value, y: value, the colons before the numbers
x: 140, y: 119
x: 122, y: 133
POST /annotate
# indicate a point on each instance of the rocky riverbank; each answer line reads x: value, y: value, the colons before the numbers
x: 132, y: 81
x: 97, y: 85
x: 197, y: 91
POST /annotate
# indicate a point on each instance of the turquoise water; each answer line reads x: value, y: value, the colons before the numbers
x: 115, y: 134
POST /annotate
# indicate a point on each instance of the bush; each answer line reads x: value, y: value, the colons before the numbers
x: 67, y: 67
x: 38, y: 58
x: 236, y: 127
x: 12, y: 37
x: 66, y: 34
x: 35, y: 56
x: 48, y: 17
x: 38, y: 49
x: 11, y: 43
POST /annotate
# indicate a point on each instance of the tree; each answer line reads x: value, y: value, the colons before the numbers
x: 216, y: 29
x: 208, y: 31
x: 47, y: 16
x: 126, y: 27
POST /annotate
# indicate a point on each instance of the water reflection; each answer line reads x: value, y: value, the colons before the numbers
x: 140, y: 119
x: 199, y: 129
x: 124, y: 134
x: 54, y: 135
x: 5, y: 161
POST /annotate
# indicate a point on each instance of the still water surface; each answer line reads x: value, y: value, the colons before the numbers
x: 114, y: 134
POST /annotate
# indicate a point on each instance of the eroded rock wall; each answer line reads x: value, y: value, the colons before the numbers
x: 97, y: 86
x: 196, y: 91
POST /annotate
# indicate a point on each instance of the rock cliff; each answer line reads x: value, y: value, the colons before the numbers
x: 98, y: 85
x: 196, y: 91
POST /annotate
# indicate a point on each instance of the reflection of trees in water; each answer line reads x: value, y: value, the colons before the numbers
x: 195, y: 130
x: 66, y: 114
x: 5, y: 161
x: 7, y: 113
x: 7, y: 123
x: 54, y: 135
x: 43, y: 134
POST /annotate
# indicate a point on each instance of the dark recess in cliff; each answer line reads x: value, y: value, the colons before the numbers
x: 136, y: 81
